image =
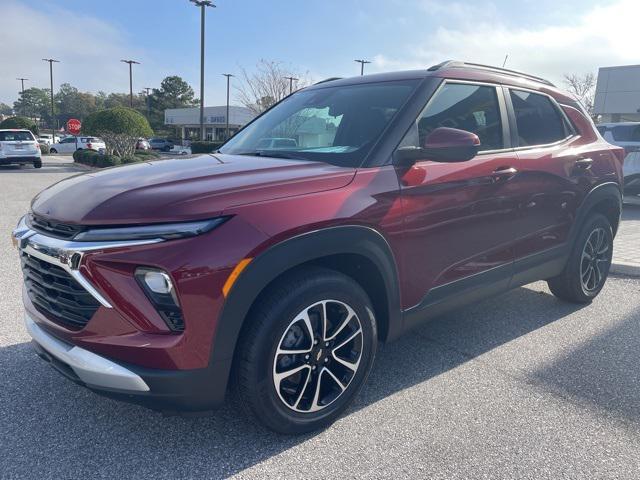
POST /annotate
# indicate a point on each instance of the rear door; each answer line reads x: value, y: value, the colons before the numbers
x: 458, y: 216
x: 68, y: 145
x: 553, y: 169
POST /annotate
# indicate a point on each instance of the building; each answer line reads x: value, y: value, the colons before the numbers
x: 618, y: 94
x: 187, y: 121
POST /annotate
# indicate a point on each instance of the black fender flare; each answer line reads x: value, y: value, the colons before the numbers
x: 262, y: 270
x: 609, y: 191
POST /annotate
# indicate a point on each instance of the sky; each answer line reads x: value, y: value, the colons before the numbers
x: 318, y: 38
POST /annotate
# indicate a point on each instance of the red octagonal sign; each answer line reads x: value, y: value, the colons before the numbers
x: 74, y: 126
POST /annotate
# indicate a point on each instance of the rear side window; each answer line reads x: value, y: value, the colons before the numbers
x: 538, y: 120
x: 473, y: 108
x: 626, y: 133
x: 16, y: 137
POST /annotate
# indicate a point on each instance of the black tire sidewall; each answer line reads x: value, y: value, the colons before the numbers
x: 596, y: 221
x: 266, y: 404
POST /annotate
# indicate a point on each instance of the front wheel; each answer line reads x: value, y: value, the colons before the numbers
x: 588, y: 266
x: 309, y: 348
x: 53, y: 150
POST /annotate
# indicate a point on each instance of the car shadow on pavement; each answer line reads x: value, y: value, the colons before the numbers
x: 50, y: 427
x: 46, y: 168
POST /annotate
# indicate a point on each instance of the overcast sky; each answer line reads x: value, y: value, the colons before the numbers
x: 542, y: 37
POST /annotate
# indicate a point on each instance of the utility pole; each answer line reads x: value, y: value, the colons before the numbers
x: 228, y: 75
x: 22, y: 95
x: 291, y: 80
x: 53, y: 114
x: 362, y: 64
x: 148, y: 103
x: 506, y: 57
x: 203, y: 4
x: 131, y: 63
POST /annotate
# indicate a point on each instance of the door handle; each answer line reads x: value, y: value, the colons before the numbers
x: 503, y: 173
x: 584, y: 163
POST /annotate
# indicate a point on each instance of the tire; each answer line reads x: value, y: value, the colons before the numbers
x: 37, y: 164
x: 289, y: 404
x: 585, y: 274
x: 53, y: 150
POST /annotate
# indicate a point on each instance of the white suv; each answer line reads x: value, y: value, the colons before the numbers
x: 19, y: 147
x: 71, y: 144
x: 627, y: 136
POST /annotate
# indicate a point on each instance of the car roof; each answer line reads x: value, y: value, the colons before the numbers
x: 15, y: 130
x: 459, y: 71
x: 617, y: 124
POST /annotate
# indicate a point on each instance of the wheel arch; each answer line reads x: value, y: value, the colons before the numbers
x: 606, y: 199
x: 373, y: 267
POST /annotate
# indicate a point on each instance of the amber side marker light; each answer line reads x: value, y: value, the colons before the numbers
x: 233, y: 276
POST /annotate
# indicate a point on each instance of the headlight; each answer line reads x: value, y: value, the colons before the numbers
x: 166, y: 231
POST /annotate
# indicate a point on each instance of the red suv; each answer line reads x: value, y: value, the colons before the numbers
x: 275, y: 271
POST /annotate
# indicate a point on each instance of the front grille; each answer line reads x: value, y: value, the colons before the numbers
x: 53, y: 228
x: 56, y: 294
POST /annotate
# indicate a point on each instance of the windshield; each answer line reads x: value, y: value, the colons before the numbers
x: 337, y: 125
x: 16, y: 136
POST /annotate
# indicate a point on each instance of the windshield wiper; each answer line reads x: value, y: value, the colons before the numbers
x: 272, y: 154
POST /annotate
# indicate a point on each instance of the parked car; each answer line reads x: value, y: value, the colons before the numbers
x: 627, y: 136
x: 19, y: 147
x: 162, y: 144
x: 46, y: 138
x: 71, y: 144
x: 278, y: 272
x: 143, y: 144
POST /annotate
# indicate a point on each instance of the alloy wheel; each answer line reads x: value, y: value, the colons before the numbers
x: 318, y: 356
x: 595, y: 256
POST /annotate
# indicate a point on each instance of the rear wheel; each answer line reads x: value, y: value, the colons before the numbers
x: 588, y: 266
x: 37, y: 164
x: 309, y: 347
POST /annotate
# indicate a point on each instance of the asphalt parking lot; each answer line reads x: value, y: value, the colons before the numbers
x: 519, y: 386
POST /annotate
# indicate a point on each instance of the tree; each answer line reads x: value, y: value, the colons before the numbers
x: 174, y: 92
x: 5, y: 109
x: 120, y: 127
x: 35, y: 103
x: 21, y: 123
x: 267, y: 85
x: 583, y: 88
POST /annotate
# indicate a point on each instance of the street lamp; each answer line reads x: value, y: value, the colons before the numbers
x: 22, y: 95
x: 228, y: 75
x: 53, y: 128
x: 362, y: 63
x: 291, y: 80
x: 203, y: 4
x: 131, y: 63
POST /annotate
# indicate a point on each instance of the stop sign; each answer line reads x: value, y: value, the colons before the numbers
x: 74, y: 126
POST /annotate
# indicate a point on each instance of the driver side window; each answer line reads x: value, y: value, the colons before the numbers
x: 473, y: 108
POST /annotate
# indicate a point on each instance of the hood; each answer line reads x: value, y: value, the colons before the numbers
x: 182, y: 189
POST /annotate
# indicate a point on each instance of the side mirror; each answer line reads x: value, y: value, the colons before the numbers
x: 442, y: 145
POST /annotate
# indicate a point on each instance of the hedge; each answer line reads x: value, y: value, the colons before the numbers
x: 44, y: 149
x: 205, y: 147
x: 20, y: 122
x: 95, y: 159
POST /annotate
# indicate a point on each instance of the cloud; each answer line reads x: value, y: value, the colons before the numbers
x: 605, y: 35
x: 88, y: 48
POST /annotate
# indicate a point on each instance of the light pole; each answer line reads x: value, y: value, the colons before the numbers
x: 203, y: 4
x: 146, y: 89
x: 228, y: 75
x: 362, y: 64
x: 291, y: 80
x: 53, y: 114
x: 22, y: 95
x: 131, y: 63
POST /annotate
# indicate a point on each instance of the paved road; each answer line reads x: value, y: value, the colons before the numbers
x: 521, y: 386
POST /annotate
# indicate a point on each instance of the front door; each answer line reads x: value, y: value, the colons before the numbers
x: 457, y: 236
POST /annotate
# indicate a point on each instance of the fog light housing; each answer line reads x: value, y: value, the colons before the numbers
x: 159, y: 289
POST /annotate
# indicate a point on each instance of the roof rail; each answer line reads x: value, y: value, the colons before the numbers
x: 330, y: 79
x: 478, y: 66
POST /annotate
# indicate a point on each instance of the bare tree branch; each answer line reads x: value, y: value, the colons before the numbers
x: 583, y: 88
x: 267, y: 85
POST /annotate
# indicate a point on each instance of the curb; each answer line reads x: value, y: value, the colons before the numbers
x: 627, y: 269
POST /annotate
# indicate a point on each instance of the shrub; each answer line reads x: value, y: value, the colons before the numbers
x: 20, y: 122
x: 87, y: 157
x: 205, y: 147
x: 44, y: 149
x: 147, y: 154
x: 130, y: 159
x: 107, y: 160
x: 119, y: 127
